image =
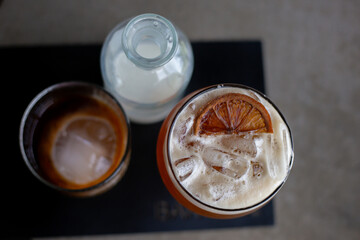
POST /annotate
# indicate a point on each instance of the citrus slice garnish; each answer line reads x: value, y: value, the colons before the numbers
x: 232, y: 113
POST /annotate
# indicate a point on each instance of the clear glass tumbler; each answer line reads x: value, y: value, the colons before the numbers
x: 75, y: 138
x: 146, y: 63
x: 224, y: 173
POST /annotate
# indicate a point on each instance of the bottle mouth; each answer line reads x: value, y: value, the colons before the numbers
x: 149, y: 40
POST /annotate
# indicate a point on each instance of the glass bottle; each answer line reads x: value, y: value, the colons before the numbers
x: 146, y: 63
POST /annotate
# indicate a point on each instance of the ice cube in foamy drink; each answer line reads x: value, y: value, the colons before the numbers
x: 224, y: 151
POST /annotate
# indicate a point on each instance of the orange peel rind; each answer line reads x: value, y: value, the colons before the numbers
x: 232, y: 113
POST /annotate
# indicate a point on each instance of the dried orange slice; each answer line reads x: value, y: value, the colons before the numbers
x: 232, y: 113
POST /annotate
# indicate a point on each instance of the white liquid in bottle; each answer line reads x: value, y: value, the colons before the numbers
x: 144, y: 86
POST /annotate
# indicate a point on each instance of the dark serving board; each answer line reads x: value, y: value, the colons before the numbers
x: 140, y: 202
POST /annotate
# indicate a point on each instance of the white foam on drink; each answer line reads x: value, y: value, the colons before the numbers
x: 84, y: 149
x: 229, y: 171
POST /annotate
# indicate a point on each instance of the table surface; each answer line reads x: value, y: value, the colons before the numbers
x: 140, y: 202
x: 311, y: 55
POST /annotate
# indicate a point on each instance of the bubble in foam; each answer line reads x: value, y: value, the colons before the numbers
x: 83, y: 149
x: 216, y: 191
x: 257, y: 169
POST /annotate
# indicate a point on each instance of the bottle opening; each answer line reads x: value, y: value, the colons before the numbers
x: 149, y: 40
x: 150, y: 45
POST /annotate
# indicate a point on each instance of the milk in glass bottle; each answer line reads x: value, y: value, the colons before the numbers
x: 146, y: 63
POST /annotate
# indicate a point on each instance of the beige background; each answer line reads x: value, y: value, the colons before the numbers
x: 312, y: 69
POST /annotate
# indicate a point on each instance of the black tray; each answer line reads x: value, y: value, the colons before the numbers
x: 140, y: 202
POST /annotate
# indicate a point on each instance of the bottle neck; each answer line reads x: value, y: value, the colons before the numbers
x: 149, y: 41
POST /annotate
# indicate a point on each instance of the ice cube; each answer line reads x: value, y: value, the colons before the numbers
x: 184, y: 167
x: 239, y: 145
x: 183, y: 130
x: 226, y: 163
x: 286, y: 145
x: 84, y: 149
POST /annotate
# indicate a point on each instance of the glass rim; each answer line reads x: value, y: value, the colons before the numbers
x: 41, y: 95
x: 158, y: 61
x: 179, y: 185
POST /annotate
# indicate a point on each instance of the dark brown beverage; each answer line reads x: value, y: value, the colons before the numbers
x: 76, y: 139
